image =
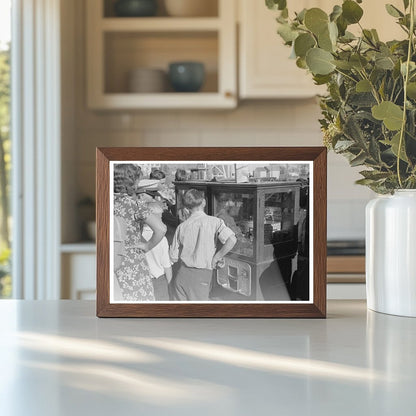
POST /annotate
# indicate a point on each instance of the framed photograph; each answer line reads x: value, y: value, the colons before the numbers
x: 211, y: 232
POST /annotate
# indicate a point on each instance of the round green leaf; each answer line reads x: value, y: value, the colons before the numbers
x: 395, y: 144
x: 322, y: 79
x: 391, y: 114
x: 333, y: 32
x: 316, y: 20
x: 276, y: 4
x: 287, y: 33
x: 336, y: 12
x: 319, y: 61
x: 384, y: 62
x: 363, y: 86
x: 303, y: 43
x: 301, y: 63
x: 344, y: 65
x: 301, y: 15
x: 358, y: 61
x: 351, y: 11
x: 411, y: 90
x: 342, y: 25
x: 325, y: 42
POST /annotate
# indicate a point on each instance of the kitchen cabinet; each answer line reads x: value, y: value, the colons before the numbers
x: 265, y: 70
x: 118, y: 45
x: 78, y: 263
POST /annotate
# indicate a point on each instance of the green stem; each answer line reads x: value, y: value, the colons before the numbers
x: 373, y: 88
x: 392, y: 91
x: 406, y: 79
x: 346, y: 75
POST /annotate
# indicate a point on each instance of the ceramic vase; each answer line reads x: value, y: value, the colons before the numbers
x: 186, y: 76
x: 391, y: 253
x: 135, y: 8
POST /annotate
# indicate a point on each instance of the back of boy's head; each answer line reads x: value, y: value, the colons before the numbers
x: 181, y: 175
x: 193, y: 198
x: 157, y: 174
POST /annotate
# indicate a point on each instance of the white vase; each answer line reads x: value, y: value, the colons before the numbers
x: 391, y: 253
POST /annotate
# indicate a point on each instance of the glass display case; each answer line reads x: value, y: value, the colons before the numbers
x: 279, y: 216
x: 236, y: 210
x: 264, y: 217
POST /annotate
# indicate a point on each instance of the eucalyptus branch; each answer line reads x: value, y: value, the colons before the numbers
x: 371, y: 64
x: 373, y: 88
x: 404, y: 28
x: 406, y: 79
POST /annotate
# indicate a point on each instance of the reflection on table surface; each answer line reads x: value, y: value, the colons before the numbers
x: 354, y: 362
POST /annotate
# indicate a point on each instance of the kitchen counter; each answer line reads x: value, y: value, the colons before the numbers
x: 57, y: 358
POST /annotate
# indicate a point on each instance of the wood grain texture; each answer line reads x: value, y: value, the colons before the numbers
x: 346, y: 264
x: 319, y: 229
x: 317, y: 309
x: 103, y: 231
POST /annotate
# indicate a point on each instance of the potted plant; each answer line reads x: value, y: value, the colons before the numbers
x: 368, y: 116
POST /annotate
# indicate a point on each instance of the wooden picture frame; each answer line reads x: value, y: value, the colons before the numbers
x: 258, y: 305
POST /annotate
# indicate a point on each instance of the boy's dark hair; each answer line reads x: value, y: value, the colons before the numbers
x: 181, y: 175
x: 157, y: 174
x: 193, y: 198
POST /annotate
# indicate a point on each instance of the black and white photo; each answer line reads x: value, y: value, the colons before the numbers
x: 211, y: 232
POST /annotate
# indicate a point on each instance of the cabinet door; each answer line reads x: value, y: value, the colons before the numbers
x: 78, y: 276
x: 376, y: 17
x: 266, y: 71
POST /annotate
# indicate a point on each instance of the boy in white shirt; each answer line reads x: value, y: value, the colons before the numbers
x: 158, y: 259
x: 194, y: 246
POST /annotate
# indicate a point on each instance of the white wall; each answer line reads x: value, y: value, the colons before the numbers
x: 255, y: 123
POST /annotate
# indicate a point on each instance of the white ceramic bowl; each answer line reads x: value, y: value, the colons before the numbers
x: 147, y: 80
x: 191, y: 8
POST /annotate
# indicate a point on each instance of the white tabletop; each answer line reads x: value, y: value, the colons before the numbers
x: 57, y: 358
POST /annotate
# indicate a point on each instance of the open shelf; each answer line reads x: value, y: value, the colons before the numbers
x: 160, y: 24
x: 119, y: 45
x: 167, y: 100
x: 127, y: 51
x: 210, y: 7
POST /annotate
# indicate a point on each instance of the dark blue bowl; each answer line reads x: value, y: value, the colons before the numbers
x: 186, y: 76
x: 135, y: 8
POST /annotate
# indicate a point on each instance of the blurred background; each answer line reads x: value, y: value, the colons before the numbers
x: 146, y: 73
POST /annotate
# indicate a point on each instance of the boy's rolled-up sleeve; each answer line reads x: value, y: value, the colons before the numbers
x: 224, y: 232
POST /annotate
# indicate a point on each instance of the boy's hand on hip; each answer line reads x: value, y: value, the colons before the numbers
x: 215, y: 260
